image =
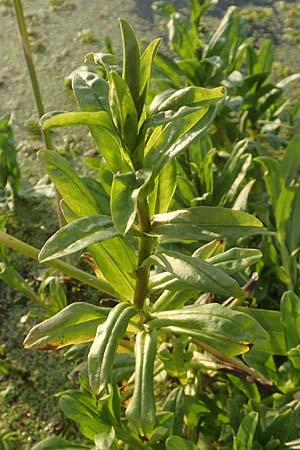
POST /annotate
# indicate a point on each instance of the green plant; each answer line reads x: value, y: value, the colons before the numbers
x: 158, y: 266
x: 255, y: 104
x: 9, y: 169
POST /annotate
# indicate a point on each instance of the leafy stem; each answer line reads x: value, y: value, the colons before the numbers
x: 145, y: 246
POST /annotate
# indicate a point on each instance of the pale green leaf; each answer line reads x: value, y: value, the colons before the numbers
x: 78, y: 235
x: 75, y: 324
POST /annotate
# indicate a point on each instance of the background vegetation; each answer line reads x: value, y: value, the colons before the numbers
x: 28, y: 410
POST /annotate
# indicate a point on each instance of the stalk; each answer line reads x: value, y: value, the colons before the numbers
x: 36, y: 89
x: 145, y: 245
x: 68, y: 269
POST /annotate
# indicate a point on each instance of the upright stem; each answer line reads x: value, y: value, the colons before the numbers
x: 35, y: 88
x: 145, y: 244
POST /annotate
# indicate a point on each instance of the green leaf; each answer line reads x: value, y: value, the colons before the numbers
x: 13, y: 278
x: 131, y: 60
x: 9, y: 169
x: 70, y: 186
x: 78, y: 235
x: 271, y: 322
x: 147, y: 59
x: 175, y: 402
x: 195, y: 273
x: 290, y: 316
x: 82, y: 409
x: 75, y: 324
x: 91, y: 91
x: 124, y: 196
x: 178, y: 443
x: 164, y: 189
x: 233, y: 175
x: 177, y: 136
x: 57, y: 443
x: 183, y: 36
x: 123, y: 110
x: 104, y: 439
x: 204, y: 223
x: 245, y: 435
x: 103, y: 349
x: 141, y: 409
x: 107, y: 61
x: 192, y: 96
x: 212, y: 319
x: 236, y: 259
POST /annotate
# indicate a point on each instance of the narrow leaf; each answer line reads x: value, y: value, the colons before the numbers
x: 212, y: 319
x: 197, y: 274
x: 131, y: 60
x: 78, y: 235
x: 77, y: 323
x: 204, y: 223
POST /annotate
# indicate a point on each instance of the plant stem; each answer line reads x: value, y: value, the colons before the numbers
x: 145, y: 245
x: 68, y: 269
x: 36, y: 89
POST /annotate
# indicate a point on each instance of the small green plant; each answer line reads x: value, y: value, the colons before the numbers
x: 159, y: 266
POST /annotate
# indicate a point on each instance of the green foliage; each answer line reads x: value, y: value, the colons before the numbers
x: 9, y: 169
x: 130, y: 242
x: 163, y: 228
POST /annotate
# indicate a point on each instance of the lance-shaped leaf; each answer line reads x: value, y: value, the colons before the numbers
x: 224, y: 345
x: 70, y: 186
x: 195, y: 273
x: 164, y: 188
x: 141, y: 408
x: 14, y: 279
x: 204, y: 223
x: 192, y: 96
x: 212, y: 319
x: 123, y: 110
x: 58, y: 119
x: 124, y: 196
x: 146, y: 69
x: 78, y: 235
x: 177, y: 136
x: 75, y: 324
x: 101, y: 354
x: 82, y: 408
x: 131, y: 60
x: 290, y: 317
x: 235, y: 259
x: 245, y: 435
